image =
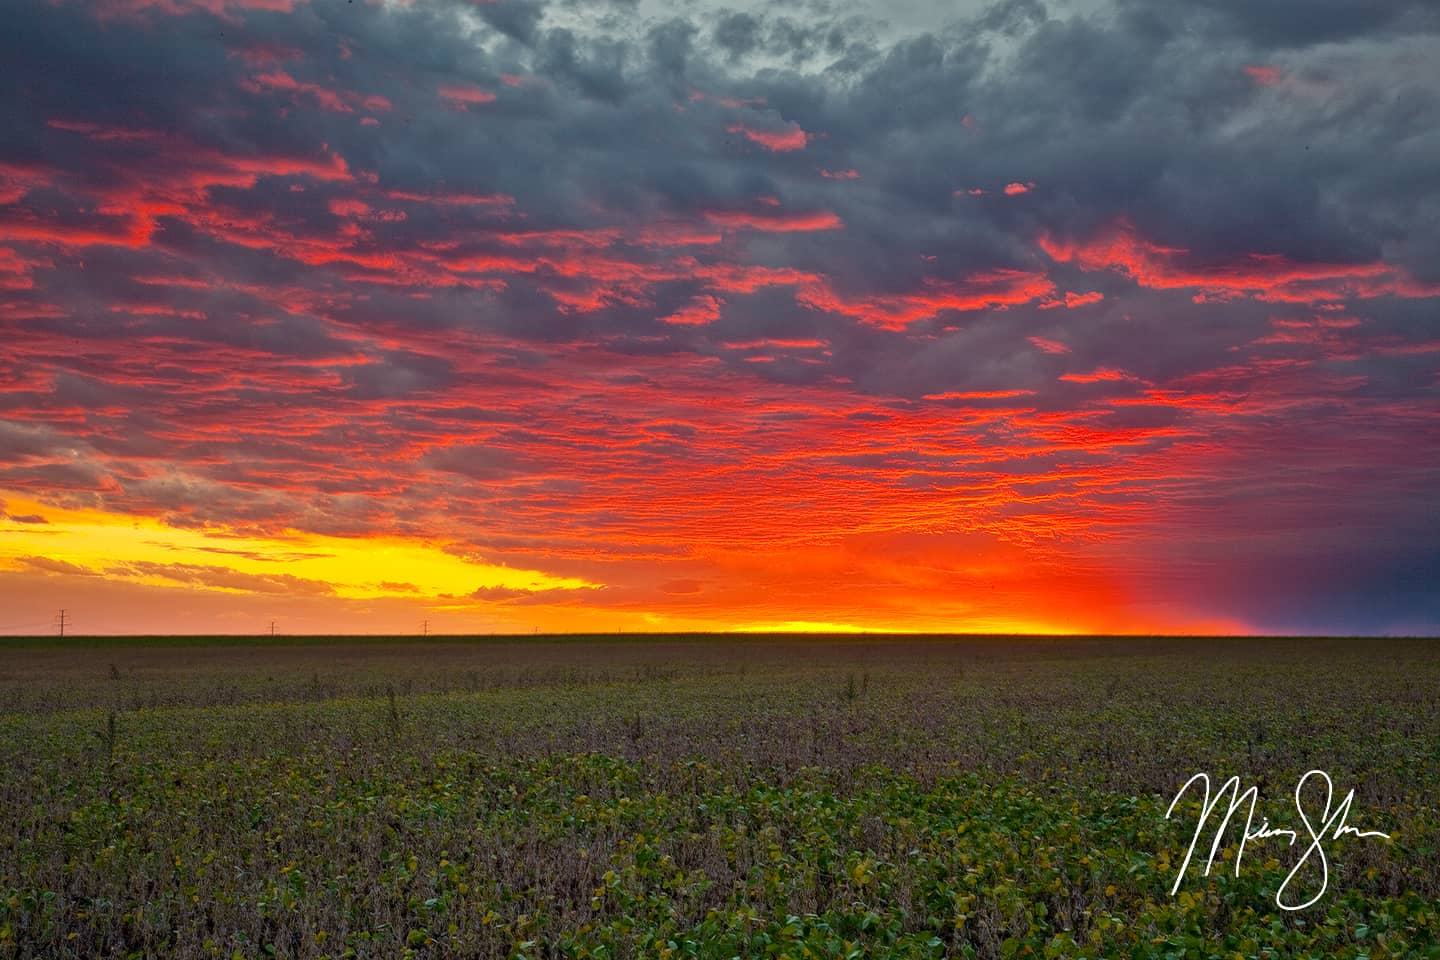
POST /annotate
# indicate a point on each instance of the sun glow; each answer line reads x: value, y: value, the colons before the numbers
x: 146, y: 551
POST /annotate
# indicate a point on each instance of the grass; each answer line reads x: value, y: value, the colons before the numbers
x: 702, y: 797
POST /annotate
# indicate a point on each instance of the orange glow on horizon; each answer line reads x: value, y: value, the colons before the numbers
x: 75, y: 552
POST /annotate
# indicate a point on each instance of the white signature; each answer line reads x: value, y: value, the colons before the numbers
x: 1332, y: 826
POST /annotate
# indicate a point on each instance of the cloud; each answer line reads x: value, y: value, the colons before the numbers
x: 1048, y: 345
x: 549, y: 595
x: 463, y: 96
x: 701, y: 310
x: 780, y: 140
x: 1265, y: 76
x: 220, y: 578
x: 50, y: 565
x: 775, y: 221
x: 618, y: 303
x: 1071, y: 300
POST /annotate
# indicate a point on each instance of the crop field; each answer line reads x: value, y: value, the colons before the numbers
x: 716, y: 797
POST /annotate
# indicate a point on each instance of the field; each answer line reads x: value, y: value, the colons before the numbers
x: 606, y: 797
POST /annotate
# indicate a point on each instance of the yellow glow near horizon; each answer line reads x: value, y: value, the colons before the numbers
x: 986, y: 626
x: 355, y: 568
x: 801, y: 626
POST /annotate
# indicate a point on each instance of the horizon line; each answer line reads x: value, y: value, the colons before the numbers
x: 727, y: 634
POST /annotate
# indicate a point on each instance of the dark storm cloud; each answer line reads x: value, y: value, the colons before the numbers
x: 1062, y: 80
x: 1292, y: 23
x: 736, y: 33
x: 516, y: 19
x: 1012, y: 17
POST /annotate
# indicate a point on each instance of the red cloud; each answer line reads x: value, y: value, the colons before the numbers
x: 1048, y: 345
x: 96, y: 131
x: 224, y: 9
x: 333, y: 167
x: 780, y: 343
x: 746, y: 278
x: 1015, y: 188
x: 980, y: 395
x: 264, y: 53
x: 16, y: 271
x: 776, y: 222
x: 463, y: 95
x: 998, y: 289
x: 1264, y: 76
x: 454, y: 199
x: 701, y: 310
x: 348, y: 207
x: 280, y: 80
x: 1100, y: 375
x: 676, y: 234
x: 1264, y: 276
x: 782, y: 141
x: 1073, y: 299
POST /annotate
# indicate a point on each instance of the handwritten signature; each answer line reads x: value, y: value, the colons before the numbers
x: 1332, y: 826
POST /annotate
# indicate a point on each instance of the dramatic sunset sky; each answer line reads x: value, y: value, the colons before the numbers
x: 569, y: 315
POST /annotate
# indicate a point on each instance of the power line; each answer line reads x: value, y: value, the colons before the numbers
x: 60, y: 621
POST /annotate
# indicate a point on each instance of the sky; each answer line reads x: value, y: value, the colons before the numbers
x: 548, y: 315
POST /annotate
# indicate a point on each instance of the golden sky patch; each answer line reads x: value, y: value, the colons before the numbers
x: 135, y: 548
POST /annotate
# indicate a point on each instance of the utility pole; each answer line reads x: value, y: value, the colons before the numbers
x: 425, y: 629
x: 272, y: 628
x: 60, y: 621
